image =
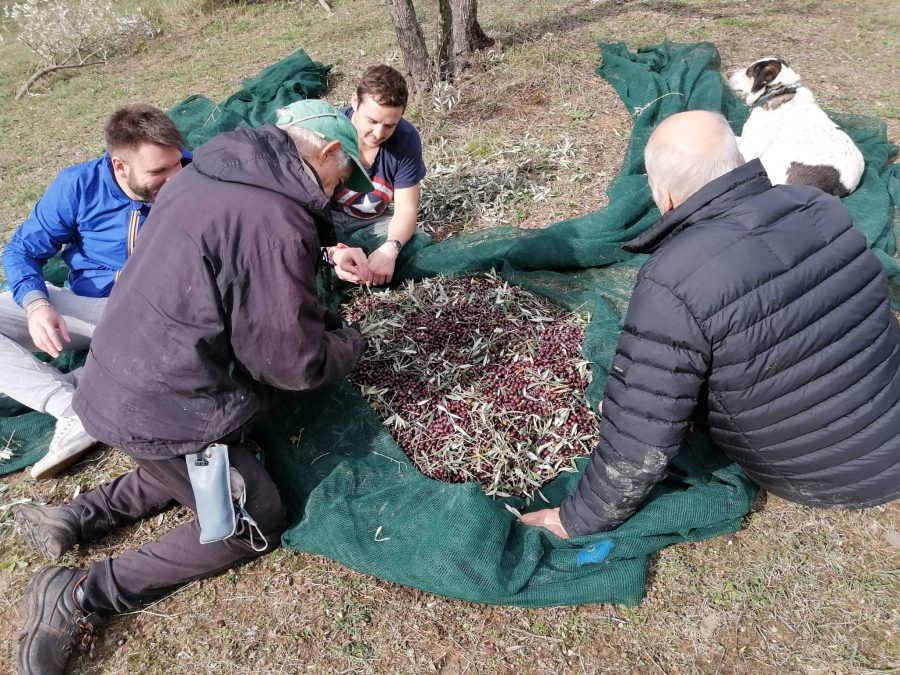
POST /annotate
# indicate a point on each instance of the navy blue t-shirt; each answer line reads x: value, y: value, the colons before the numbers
x: 397, y: 165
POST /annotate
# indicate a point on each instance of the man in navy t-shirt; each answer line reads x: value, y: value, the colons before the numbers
x: 391, y: 151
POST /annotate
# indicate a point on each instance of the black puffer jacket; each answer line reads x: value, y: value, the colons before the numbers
x: 763, y: 312
x: 217, y: 306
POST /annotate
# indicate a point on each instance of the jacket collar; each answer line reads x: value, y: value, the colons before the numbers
x: 109, y: 179
x: 713, y: 199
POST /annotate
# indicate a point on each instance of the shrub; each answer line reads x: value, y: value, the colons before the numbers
x: 72, y: 34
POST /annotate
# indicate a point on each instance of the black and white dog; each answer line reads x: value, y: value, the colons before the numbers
x: 793, y: 138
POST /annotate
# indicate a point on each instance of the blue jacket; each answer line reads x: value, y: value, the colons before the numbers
x: 85, y: 213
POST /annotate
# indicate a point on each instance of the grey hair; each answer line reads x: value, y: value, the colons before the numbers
x: 682, y: 169
x: 308, y: 143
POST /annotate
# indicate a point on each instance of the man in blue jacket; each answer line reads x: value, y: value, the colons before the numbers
x: 760, y: 316
x: 93, y: 212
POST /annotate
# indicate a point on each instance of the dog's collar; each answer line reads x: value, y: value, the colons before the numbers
x: 765, y: 98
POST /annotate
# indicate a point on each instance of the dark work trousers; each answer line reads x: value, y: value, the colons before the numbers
x: 136, y: 578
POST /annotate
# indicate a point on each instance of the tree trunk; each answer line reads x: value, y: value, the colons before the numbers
x: 445, y: 41
x: 467, y: 34
x: 412, y: 44
x: 479, y: 38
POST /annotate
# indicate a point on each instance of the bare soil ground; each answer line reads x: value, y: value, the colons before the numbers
x: 530, y: 136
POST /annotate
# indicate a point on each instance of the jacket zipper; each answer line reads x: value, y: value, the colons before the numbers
x: 133, y: 223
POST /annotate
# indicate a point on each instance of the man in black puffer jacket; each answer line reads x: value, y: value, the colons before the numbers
x: 763, y: 317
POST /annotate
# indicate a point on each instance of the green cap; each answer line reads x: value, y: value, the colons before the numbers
x: 326, y: 121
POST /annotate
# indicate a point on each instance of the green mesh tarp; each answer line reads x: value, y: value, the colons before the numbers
x: 293, y: 78
x: 364, y: 504
x: 352, y: 494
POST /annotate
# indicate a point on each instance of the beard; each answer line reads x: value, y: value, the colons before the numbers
x: 146, y: 193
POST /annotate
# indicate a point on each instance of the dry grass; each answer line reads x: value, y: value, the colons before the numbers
x: 798, y: 590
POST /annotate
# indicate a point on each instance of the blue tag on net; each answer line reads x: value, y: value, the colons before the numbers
x: 594, y: 553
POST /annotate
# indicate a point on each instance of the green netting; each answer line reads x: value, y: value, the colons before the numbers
x: 353, y: 495
x: 282, y: 83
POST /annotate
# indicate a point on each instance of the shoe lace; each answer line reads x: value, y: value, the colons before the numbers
x: 85, y: 635
x: 63, y: 427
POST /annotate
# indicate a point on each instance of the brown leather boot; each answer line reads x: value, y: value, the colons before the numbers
x: 55, y: 623
x: 51, y: 530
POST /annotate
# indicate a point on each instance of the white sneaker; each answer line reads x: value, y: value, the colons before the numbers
x: 70, y: 441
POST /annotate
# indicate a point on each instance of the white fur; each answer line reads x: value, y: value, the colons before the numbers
x: 795, y: 131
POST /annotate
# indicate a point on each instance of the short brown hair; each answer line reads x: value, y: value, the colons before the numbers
x: 384, y: 85
x: 133, y: 125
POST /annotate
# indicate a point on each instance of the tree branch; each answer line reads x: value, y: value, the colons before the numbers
x: 52, y: 69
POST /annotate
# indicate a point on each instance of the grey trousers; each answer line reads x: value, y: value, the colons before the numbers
x: 137, y: 578
x: 347, y: 224
x: 344, y: 222
x: 25, y: 379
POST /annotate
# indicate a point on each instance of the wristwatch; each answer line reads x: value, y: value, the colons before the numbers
x: 395, y: 242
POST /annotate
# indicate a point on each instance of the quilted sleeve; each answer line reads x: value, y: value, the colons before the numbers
x: 660, y: 364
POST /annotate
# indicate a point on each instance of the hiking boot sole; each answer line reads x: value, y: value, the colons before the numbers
x: 37, y: 530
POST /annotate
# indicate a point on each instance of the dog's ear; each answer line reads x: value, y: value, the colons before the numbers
x: 763, y: 72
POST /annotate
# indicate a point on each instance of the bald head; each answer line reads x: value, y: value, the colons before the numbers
x: 687, y: 151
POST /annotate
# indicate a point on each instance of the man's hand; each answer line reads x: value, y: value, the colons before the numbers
x: 47, y: 327
x: 350, y: 264
x: 548, y: 519
x: 381, y: 263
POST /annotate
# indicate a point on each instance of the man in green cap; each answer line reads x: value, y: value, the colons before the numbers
x: 215, y: 312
